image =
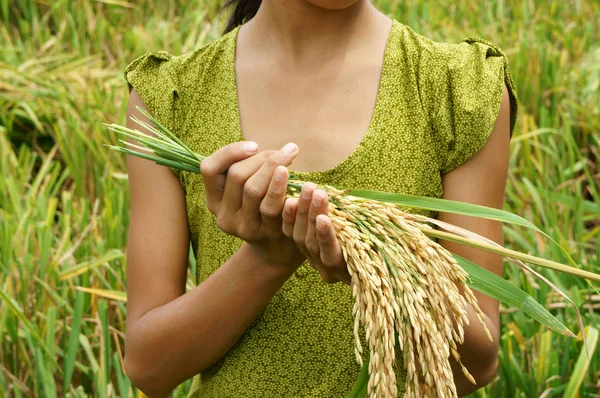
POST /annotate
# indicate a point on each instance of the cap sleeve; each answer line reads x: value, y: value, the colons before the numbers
x: 468, y: 93
x: 153, y: 77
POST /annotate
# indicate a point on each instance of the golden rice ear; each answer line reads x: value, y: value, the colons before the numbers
x: 406, y: 290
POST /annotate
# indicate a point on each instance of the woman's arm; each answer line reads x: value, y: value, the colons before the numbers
x: 173, y: 335
x: 480, y: 180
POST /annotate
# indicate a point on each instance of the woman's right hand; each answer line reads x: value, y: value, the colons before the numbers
x: 245, y: 190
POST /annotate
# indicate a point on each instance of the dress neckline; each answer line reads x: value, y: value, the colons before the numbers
x: 379, y: 99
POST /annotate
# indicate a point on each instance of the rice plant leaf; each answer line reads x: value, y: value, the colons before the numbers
x: 143, y: 137
x: 51, y: 335
x: 362, y: 382
x: 572, y: 201
x: 47, y: 378
x: 583, y: 364
x: 84, y: 266
x: 60, y: 301
x: 87, y: 348
x: 73, y: 344
x: 110, y: 294
x: 123, y: 383
x: 105, y: 342
x: 497, y: 287
x: 166, y: 131
x: 156, y: 159
x: 154, y: 144
x: 13, y: 306
x: 466, y: 234
x: 444, y: 205
x: 553, y: 265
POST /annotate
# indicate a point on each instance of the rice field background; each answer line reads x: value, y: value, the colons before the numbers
x: 64, y: 199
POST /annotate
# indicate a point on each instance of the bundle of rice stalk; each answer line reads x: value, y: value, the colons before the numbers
x: 407, y: 288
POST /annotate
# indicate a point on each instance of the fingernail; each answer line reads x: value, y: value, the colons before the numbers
x: 251, y: 146
x: 321, y: 224
x: 287, y: 207
x: 306, y: 191
x: 317, y: 200
x: 289, y: 148
x: 280, y: 173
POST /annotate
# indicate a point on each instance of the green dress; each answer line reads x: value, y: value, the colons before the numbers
x: 437, y: 104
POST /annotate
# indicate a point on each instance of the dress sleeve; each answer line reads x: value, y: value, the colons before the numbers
x: 467, y: 97
x: 154, y: 78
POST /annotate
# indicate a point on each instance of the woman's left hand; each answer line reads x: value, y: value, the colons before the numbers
x: 305, y: 221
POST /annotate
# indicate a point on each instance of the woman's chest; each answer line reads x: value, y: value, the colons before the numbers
x: 327, y: 113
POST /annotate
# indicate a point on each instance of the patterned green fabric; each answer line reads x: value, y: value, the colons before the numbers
x: 436, y: 106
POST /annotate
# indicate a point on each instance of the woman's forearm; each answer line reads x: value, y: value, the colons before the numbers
x: 173, y: 342
x: 478, y: 354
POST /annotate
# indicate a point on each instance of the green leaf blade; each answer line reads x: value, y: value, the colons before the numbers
x: 497, y: 287
x: 444, y: 205
x: 583, y: 364
x: 362, y: 382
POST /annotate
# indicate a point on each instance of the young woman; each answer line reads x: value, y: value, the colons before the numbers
x: 351, y: 98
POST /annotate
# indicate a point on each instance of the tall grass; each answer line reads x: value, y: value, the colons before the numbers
x: 64, y: 200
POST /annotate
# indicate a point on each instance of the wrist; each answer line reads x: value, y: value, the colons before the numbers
x: 267, y: 266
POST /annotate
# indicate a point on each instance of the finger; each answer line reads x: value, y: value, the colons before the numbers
x: 237, y: 176
x: 256, y: 187
x: 272, y: 205
x: 331, y: 251
x: 329, y: 246
x: 318, y: 205
x: 289, y: 217
x: 301, y: 223
x: 214, y: 167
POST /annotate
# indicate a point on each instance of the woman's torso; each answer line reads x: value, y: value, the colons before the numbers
x: 302, y: 344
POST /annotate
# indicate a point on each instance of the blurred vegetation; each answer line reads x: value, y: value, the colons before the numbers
x: 64, y: 198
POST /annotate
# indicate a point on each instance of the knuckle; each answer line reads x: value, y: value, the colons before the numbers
x: 287, y: 220
x: 268, y: 153
x: 269, y: 210
x: 272, y: 162
x: 246, y: 232
x: 251, y: 190
x: 333, y: 263
x: 206, y: 168
x: 299, y: 241
x: 287, y: 216
x: 236, y: 174
x: 312, y: 247
x: 323, y: 236
x: 222, y: 224
x: 272, y: 192
x: 211, y: 207
x: 302, y: 207
x: 328, y: 261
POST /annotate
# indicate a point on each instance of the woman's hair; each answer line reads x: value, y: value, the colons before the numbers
x: 244, y: 10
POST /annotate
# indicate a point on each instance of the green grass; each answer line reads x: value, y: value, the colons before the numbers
x: 64, y: 199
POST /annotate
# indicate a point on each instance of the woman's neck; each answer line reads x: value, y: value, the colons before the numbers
x: 302, y: 31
